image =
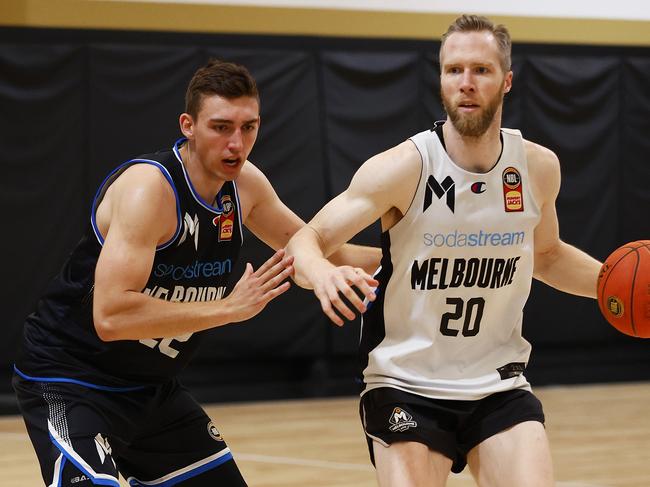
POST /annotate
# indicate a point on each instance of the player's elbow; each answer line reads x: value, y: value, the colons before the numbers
x: 546, y: 262
x: 105, y: 325
x: 544, y: 259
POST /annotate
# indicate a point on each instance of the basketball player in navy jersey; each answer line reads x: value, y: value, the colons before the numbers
x: 96, y: 381
x: 468, y: 218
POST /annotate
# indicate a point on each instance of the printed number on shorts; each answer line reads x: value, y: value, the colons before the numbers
x: 472, y: 311
x: 164, y: 344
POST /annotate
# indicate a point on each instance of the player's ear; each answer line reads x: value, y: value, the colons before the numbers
x: 186, y: 123
x: 507, y: 82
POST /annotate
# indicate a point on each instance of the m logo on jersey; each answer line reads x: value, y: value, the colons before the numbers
x: 400, y: 420
x: 191, y: 227
x: 434, y: 187
x: 103, y: 448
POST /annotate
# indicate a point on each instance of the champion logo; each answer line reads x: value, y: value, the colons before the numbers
x: 400, y: 420
x: 478, y: 187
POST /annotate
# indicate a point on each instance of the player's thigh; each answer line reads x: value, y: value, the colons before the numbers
x: 410, y: 464
x: 516, y: 457
x: 181, y: 445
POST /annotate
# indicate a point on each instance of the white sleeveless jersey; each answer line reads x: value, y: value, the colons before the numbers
x: 456, y: 273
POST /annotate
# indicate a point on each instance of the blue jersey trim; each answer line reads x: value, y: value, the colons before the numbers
x: 187, y: 475
x: 95, y: 480
x: 78, y: 382
x: 101, y: 189
x: 218, y: 209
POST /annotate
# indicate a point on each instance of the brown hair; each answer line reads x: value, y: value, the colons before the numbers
x: 228, y: 80
x: 477, y: 23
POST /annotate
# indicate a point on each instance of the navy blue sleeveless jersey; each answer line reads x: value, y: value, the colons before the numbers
x: 60, y: 341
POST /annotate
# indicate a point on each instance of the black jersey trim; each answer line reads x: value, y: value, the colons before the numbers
x: 197, y: 197
x: 373, y: 325
x: 437, y: 129
x: 102, y: 189
x: 78, y: 382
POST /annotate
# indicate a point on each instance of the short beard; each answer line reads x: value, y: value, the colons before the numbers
x: 473, y: 125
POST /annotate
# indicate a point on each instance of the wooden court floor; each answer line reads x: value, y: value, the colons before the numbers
x: 599, y: 434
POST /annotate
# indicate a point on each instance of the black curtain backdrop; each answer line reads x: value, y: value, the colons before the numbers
x: 76, y: 103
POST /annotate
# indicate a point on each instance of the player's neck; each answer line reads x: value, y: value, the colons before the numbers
x: 474, y: 154
x: 207, y: 185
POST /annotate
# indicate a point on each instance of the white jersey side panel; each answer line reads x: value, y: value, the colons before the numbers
x: 456, y: 273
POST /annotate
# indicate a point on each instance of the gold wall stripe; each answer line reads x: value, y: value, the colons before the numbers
x: 146, y: 16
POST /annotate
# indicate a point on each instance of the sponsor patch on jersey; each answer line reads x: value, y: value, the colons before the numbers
x: 226, y: 221
x: 513, y: 197
x: 478, y: 187
x: 400, y: 420
x: 214, y: 432
x: 227, y: 205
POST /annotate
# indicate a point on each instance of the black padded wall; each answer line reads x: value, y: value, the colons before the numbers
x: 76, y: 103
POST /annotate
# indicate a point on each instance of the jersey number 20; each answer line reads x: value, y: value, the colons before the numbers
x: 473, y: 312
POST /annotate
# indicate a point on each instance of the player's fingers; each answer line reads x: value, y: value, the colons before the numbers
x: 371, y: 281
x: 364, y: 283
x: 352, y: 296
x: 326, y: 306
x: 273, y: 260
x: 275, y: 281
x: 248, y: 271
x: 276, y: 269
x: 338, y: 303
x: 275, y: 292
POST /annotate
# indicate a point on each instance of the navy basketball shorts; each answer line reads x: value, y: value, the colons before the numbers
x: 449, y: 427
x: 155, y: 436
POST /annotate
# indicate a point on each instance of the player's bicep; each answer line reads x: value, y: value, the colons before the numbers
x: 385, y: 181
x: 125, y: 261
x: 346, y: 215
x: 142, y: 215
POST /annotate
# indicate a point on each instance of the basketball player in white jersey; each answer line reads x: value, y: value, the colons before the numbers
x: 468, y: 219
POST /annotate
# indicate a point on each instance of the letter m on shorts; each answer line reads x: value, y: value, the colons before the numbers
x: 434, y: 187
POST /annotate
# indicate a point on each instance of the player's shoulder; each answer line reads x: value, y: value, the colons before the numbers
x: 541, y: 156
x: 252, y: 185
x: 250, y: 172
x: 543, y: 167
x: 251, y: 178
x: 397, y: 159
x: 140, y: 182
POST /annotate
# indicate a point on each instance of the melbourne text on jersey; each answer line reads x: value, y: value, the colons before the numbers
x: 442, y: 273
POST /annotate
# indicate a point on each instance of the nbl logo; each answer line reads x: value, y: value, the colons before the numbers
x: 440, y: 189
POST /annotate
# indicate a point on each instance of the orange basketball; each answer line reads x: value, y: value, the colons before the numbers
x: 624, y: 289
